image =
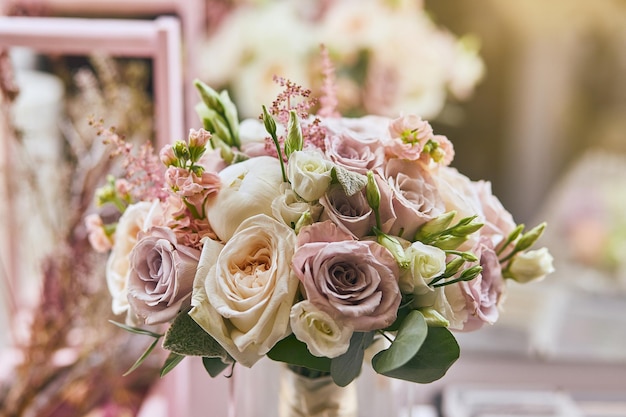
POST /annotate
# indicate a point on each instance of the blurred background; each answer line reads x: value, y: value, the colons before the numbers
x: 532, y: 94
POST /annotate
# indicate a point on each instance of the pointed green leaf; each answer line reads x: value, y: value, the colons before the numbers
x: 214, y: 366
x: 136, y: 330
x: 143, y: 357
x: 408, y: 341
x: 186, y: 337
x: 352, y: 182
x: 438, y: 352
x: 170, y: 363
x: 346, y: 367
x: 295, y: 352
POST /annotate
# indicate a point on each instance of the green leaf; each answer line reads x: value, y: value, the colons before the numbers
x: 136, y: 330
x: 438, y: 352
x: 408, y: 341
x: 186, y: 337
x: 143, y: 357
x: 295, y: 352
x: 346, y: 367
x: 214, y: 366
x: 352, y: 182
x: 170, y: 363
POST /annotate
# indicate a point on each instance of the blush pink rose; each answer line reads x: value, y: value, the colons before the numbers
x: 498, y: 221
x: 410, y: 190
x: 355, y: 282
x: 161, y: 276
x: 352, y: 213
x: 356, y: 143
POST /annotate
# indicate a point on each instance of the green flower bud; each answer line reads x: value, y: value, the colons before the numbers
x: 433, y: 317
x: 453, y: 267
x: 435, y: 226
x: 294, y: 140
x: 466, y: 230
x: 470, y: 273
x: 372, y: 192
x: 269, y: 122
x: 528, y: 239
x: 181, y: 151
x: 209, y: 96
x: 449, y: 242
x: 305, y: 220
x: 394, y: 246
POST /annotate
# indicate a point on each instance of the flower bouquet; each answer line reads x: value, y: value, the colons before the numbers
x: 308, y: 238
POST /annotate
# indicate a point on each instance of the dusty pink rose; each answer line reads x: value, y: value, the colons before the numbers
x: 355, y: 282
x: 498, y: 221
x: 408, y: 135
x: 352, y: 213
x: 409, y: 189
x: 161, y: 276
x: 484, y: 293
x: 96, y: 235
x: 356, y: 143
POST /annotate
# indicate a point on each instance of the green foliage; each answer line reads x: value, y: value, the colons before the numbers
x: 437, y: 353
x: 352, y: 182
x: 346, y: 367
x: 170, y: 363
x: 408, y: 341
x: 214, y: 366
x: 186, y: 337
x: 295, y: 352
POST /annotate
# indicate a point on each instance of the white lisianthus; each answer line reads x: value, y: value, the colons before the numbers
x: 243, y: 290
x: 289, y: 208
x: 323, y: 336
x: 532, y: 265
x: 248, y: 188
x: 426, y: 262
x: 137, y: 218
x: 309, y: 174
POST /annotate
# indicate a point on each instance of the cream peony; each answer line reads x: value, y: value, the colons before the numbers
x: 248, y: 188
x: 137, y: 218
x: 244, y: 290
x: 322, y: 334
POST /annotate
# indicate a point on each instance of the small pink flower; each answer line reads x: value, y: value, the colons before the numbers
x: 166, y: 155
x: 194, y: 189
x: 98, y: 238
x: 198, y: 138
x: 408, y: 135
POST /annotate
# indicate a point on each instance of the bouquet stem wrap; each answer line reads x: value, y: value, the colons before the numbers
x: 314, y: 396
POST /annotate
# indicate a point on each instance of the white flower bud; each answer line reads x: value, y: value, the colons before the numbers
x: 309, y: 174
x: 426, y: 262
x: 532, y: 265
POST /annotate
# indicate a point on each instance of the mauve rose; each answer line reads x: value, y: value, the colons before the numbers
x: 161, y: 276
x: 484, y: 293
x: 352, y: 213
x: 356, y: 143
x: 498, y: 222
x: 137, y: 218
x: 414, y: 197
x: 355, y: 282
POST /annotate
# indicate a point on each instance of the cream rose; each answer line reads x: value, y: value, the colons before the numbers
x: 532, y: 265
x: 248, y: 188
x: 244, y: 290
x: 309, y: 174
x: 323, y: 336
x: 289, y: 208
x: 137, y: 218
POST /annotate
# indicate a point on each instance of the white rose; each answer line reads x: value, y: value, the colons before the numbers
x: 427, y: 262
x: 309, y: 174
x: 288, y: 207
x: 248, y: 188
x: 137, y: 218
x: 323, y: 336
x: 532, y: 265
x: 244, y: 290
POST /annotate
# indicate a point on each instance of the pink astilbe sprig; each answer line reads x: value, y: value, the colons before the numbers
x: 143, y: 170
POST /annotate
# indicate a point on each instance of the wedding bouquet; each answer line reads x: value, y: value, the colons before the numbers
x: 308, y: 238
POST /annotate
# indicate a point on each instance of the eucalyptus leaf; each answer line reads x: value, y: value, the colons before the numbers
x: 438, y: 352
x: 295, y: 352
x: 186, y: 337
x: 214, y: 366
x: 345, y: 368
x: 352, y: 182
x: 170, y: 363
x: 143, y: 357
x: 408, y: 341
